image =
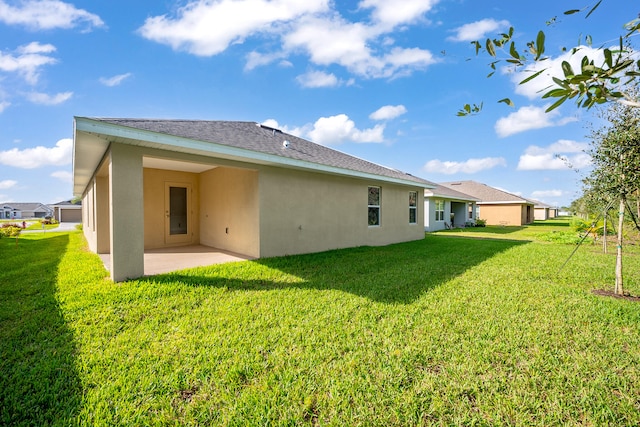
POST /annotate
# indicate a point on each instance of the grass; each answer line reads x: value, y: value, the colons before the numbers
x: 442, y: 331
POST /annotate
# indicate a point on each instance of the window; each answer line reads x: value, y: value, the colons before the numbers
x: 439, y: 210
x: 413, y: 207
x: 374, y: 206
x: 470, y: 208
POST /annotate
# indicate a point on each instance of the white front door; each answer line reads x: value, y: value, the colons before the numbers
x: 177, y: 206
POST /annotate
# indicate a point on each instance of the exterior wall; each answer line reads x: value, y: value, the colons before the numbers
x: 303, y: 212
x: 541, y: 214
x: 229, y: 210
x: 503, y: 214
x: 154, y: 206
x: 430, y: 223
x: 88, y: 215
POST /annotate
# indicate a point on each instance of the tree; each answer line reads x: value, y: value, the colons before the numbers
x: 616, y: 173
x: 611, y: 79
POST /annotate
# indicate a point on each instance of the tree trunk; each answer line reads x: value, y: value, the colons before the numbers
x: 619, y: 289
x: 604, y: 233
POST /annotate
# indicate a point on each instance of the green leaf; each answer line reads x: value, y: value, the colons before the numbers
x: 567, y: 70
x: 589, y: 40
x: 507, y: 101
x: 540, y: 44
x: 513, y: 52
x: 608, y: 59
x: 490, y: 48
x: 572, y: 11
x: 533, y: 76
x: 477, y: 46
x: 593, y: 9
x: 556, y: 104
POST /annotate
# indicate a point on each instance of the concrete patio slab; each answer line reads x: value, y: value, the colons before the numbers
x: 166, y: 260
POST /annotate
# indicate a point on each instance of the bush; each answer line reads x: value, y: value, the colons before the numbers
x: 10, y: 230
x: 481, y: 222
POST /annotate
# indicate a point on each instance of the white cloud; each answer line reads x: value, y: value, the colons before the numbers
x: 388, y: 112
x: 389, y: 14
x: 31, y: 158
x: 528, y: 118
x: 547, y: 193
x: 340, y: 128
x: 469, y: 166
x: 115, y: 80
x: 313, y: 28
x: 47, y: 15
x: 561, y: 155
x: 4, y: 105
x: 64, y: 176
x: 7, y: 183
x: 28, y: 60
x: 207, y: 28
x: 46, y: 99
x: 478, y: 30
x: 314, y: 79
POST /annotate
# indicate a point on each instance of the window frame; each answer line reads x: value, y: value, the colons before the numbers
x: 374, y: 207
x: 437, y: 203
x: 413, y: 208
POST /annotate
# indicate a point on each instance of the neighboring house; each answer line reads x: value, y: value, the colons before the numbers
x: 441, y: 202
x: 236, y: 186
x: 7, y: 212
x: 27, y: 210
x: 67, y: 211
x: 495, y: 206
x: 542, y: 211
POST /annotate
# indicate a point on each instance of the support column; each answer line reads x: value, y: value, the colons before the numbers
x: 126, y: 212
x: 102, y: 215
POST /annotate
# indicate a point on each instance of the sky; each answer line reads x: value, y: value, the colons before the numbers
x: 378, y: 79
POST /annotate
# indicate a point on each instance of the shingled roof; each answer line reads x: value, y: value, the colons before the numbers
x: 449, y: 193
x: 250, y: 137
x: 484, y: 193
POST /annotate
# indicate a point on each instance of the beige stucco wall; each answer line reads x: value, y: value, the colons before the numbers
x: 154, y: 206
x: 502, y: 214
x: 229, y: 210
x: 302, y: 212
x: 88, y: 212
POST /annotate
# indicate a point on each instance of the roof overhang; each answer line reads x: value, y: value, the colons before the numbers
x: 92, y: 138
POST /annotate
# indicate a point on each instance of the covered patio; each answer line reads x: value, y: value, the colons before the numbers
x: 166, y: 260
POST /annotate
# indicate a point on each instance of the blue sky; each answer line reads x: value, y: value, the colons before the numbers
x: 378, y: 79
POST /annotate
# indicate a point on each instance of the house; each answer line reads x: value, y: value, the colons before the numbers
x: 445, y: 207
x: 496, y: 206
x: 25, y: 210
x: 7, y: 212
x: 543, y: 211
x: 236, y: 186
x: 67, y: 211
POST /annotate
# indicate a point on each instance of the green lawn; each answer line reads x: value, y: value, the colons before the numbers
x: 442, y: 331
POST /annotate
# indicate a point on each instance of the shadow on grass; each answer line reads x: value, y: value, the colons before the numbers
x: 39, y: 384
x: 398, y: 273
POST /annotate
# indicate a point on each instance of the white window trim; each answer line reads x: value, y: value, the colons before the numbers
x: 378, y: 206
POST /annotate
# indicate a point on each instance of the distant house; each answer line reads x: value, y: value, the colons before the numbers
x: 25, y: 210
x: 445, y: 207
x: 67, y: 211
x: 543, y: 211
x: 496, y: 206
x: 236, y: 186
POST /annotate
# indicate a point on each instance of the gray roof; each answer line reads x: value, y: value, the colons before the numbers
x: 485, y: 193
x: 539, y: 204
x: 449, y: 193
x: 261, y: 139
x: 67, y: 203
x: 27, y: 206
